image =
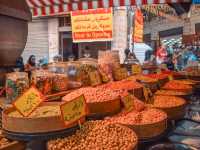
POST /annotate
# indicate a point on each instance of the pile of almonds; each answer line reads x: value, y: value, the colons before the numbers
x: 98, y: 94
x: 168, y: 101
x: 97, y: 135
x: 147, y: 116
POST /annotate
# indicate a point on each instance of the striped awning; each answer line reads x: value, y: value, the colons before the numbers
x: 58, y: 7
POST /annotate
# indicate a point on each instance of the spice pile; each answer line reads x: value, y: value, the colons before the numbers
x: 146, y: 116
x: 97, y: 135
x: 178, y: 86
x: 168, y: 101
x: 122, y: 85
x: 170, y: 93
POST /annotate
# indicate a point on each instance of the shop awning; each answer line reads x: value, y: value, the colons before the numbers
x: 58, y: 7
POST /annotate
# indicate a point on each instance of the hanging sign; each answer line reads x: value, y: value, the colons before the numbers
x: 74, y: 110
x: 28, y: 102
x: 136, y: 69
x: 92, y: 25
x: 138, y: 27
x: 128, y: 102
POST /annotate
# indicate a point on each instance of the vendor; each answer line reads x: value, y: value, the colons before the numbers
x: 31, y: 64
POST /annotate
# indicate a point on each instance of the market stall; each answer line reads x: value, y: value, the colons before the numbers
x: 98, y: 103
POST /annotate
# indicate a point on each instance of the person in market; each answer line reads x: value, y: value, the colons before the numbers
x: 20, y: 64
x: 161, y: 55
x: 31, y: 65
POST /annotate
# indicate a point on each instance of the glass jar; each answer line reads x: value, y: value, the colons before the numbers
x: 16, y: 84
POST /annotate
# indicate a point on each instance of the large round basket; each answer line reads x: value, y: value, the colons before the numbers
x: 105, y: 108
x: 148, y: 131
x: 34, y: 125
x: 175, y: 113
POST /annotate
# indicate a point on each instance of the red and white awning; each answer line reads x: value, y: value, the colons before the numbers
x: 56, y: 7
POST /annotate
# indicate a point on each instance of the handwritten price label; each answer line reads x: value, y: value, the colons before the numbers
x: 128, y: 102
x: 74, y: 110
x: 28, y: 102
x: 136, y: 69
x: 95, y: 78
x: 147, y: 94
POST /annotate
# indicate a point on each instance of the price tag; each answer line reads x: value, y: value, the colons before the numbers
x: 95, y: 78
x: 120, y: 74
x: 128, y: 102
x: 136, y: 69
x: 147, y: 93
x: 28, y: 102
x: 74, y: 110
x: 170, y: 77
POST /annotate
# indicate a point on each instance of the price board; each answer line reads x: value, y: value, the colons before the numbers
x: 136, y: 69
x: 28, y: 101
x: 73, y: 110
x: 95, y: 78
x: 120, y: 74
x: 128, y: 102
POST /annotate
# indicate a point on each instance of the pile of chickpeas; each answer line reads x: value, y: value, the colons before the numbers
x: 97, y: 135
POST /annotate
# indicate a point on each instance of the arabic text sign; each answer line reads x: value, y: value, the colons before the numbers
x: 138, y: 27
x: 74, y: 110
x: 92, y: 25
x: 28, y: 102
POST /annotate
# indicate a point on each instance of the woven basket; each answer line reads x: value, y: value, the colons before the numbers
x: 105, y: 108
x: 34, y: 125
x: 147, y: 131
x: 175, y: 113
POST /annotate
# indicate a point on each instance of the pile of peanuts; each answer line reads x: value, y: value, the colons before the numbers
x: 147, y: 116
x: 97, y: 135
x: 168, y: 101
x: 98, y: 94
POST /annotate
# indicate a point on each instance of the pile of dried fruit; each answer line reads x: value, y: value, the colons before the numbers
x: 42, y: 111
x: 98, y: 94
x: 170, y: 93
x: 171, y: 85
x: 168, y: 101
x: 147, y: 116
x: 97, y: 135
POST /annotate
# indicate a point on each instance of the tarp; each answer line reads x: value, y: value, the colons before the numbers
x: 57, y: 7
